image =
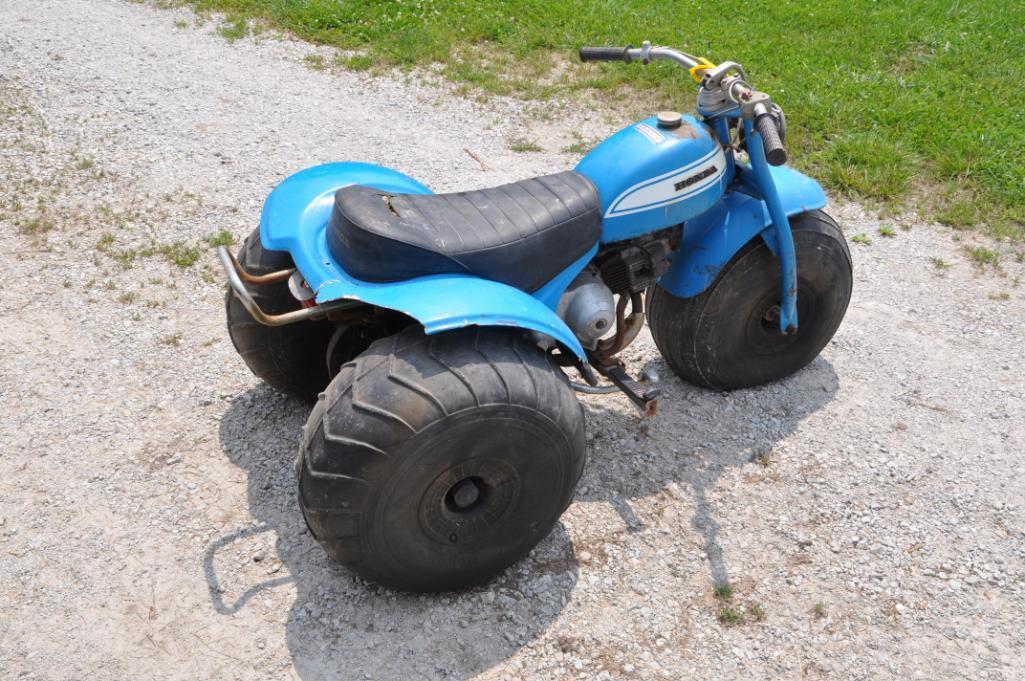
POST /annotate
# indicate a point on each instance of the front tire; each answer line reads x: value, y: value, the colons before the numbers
x: 432, y: 463
x: 727, y: 337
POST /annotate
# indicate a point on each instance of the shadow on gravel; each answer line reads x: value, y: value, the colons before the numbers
x: 338, y: 626
x: 696, y: 436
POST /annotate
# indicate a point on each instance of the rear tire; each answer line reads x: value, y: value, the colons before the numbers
x: 432, y: 463
x: 291, y: 358
x: 727, y: 336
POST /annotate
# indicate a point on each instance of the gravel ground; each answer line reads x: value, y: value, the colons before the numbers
x: 867, y: 512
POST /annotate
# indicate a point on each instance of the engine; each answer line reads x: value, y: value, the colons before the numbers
x: 588, y: 308
x: 632, y: 266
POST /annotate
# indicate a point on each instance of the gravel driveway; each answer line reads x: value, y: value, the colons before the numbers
x: 867, y: 513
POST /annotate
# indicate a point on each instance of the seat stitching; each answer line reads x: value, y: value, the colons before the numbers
x: 498, y: 205
x: 572, y: 185
x: 551, y: 218
x: 554, y: 179
x: 444, y: 215
x: 478, y: 219
x: 476, y: 207
x: 516, y: 203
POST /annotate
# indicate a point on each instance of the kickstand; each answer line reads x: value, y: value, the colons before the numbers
x: 645, y: 398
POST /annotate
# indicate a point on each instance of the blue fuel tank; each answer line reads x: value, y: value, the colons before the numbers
x: 650, y: 177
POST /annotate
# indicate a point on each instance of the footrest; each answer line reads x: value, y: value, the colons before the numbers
x: 644, y: 397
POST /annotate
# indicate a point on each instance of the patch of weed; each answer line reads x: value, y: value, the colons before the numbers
x: 356, y: 62
x: 35, y: 226
x: 234, y: 29
x: 181, y: 254
x: 105, y: 242
x: 521, y: 146
x: 222, y: 238
x: 171, y: 339
x: 315, y: 61
x: 729, y: 616
x: 723, y: 592
x: 983, y: 255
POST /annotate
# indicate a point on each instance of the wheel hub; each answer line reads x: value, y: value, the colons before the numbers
x: 469, y: 500
x: 464, y: 494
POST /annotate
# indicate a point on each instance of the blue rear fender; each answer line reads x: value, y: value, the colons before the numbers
x: 712, y: 238
x: 295, y: 218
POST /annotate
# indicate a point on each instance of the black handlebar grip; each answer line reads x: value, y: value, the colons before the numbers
x: 775, y: 154
x: 605, y: 53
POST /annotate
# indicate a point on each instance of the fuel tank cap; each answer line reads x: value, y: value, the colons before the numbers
x: 669, y: 119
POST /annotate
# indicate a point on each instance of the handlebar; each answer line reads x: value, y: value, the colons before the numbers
x: 645, y: 53
x: 766, y: 126
x: 753, y: 104
x: 605, y: 53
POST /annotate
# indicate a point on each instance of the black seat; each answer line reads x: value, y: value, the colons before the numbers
x: 521, y: 234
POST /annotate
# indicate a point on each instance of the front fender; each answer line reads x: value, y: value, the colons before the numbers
x: 295, y: 217
x: 712, y: 238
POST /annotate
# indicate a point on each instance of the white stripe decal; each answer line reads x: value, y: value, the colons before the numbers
x: 663, y: 191
x: 651, y: 133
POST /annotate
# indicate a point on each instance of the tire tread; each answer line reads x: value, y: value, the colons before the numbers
x: 407, y: 365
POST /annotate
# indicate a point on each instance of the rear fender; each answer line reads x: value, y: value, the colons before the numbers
x: 295, y: 217
x: 712, y: 238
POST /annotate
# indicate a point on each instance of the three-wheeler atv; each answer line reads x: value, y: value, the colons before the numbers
x: 435, y: 331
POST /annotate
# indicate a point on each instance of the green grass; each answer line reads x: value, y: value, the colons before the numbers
x: 524, y: 146
x: 729, y: 616
x: 315, y: 62
x: 887, y: 102
x: 984, y: 256
x: 180, y: 254
x: 723, y: 592
x: 221, y: 238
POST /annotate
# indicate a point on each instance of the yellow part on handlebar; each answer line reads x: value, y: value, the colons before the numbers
x: 695, y: 71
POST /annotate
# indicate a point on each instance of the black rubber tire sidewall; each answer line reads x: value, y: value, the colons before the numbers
x: 707, y: 339
x: 546, y: 480
x: 291, y: 358
x: 413, y: 409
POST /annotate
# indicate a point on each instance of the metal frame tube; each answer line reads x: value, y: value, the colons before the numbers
x: 237, y: 276
x: 780, y: 227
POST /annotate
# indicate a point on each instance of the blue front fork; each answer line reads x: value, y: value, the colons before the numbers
x: 782, y: 235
